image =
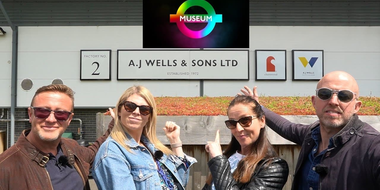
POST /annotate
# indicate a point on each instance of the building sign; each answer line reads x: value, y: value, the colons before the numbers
x: 195, y: 24
x: 204, y: 64
x: 308, y: 64
x: 270, y: 65
x: 95, y: 65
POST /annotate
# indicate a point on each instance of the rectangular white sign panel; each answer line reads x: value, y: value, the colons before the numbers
x: 192, y: 65
x: 308, y: 64
x: 95, y: 65
x: 271, y: 65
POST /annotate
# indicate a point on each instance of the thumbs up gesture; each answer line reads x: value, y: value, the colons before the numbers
x: 213, y: 147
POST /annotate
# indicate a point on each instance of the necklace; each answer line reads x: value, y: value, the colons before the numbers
x: 159, y: 166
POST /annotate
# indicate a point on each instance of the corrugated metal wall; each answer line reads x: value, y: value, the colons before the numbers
x: 129, y: 12
x: 73, y: 13
x: 315, y: 13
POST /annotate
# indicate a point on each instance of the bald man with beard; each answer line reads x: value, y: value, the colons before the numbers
x: 339, y: 151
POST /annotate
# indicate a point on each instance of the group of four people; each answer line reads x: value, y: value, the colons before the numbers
x: 337, y: 152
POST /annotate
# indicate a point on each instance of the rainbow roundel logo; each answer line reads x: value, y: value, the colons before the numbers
x: 211, y: 18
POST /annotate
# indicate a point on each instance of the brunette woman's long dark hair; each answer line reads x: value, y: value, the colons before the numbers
x: 260, y: 149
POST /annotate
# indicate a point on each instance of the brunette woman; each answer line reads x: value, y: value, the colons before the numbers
x: 249, y: 161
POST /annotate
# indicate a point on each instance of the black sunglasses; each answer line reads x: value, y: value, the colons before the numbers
x: 343, y: 95
x: 244, y: 122
x: 44, y: 113
x: 130, y: 107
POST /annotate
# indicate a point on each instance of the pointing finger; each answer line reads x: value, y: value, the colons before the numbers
x: 255, y: 95
x: 255, y: 91
x: 217, y: 137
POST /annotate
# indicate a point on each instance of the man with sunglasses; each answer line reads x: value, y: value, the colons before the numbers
x: 41, y: 158
x: 338, y: 151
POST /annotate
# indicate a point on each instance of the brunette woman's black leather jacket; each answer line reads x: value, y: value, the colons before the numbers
x: 269, y: 174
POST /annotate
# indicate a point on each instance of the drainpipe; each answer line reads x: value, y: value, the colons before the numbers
x: 80, y: 132
x: 14, y: 71
x: 12, y: 135
x: 14, y: 83
x: 80, y: 141
x: 2, y: 113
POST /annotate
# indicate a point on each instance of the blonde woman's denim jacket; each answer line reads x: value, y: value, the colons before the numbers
x: 117, y: 168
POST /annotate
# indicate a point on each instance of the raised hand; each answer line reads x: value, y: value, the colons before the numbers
x: 213, y: 147
x: 248, y: 92
x: 112, y: 113
x: 172, y: 132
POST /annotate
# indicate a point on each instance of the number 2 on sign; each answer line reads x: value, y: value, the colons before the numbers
x: 96, y: 70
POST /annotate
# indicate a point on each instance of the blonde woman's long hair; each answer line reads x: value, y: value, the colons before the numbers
x: 118, y: 132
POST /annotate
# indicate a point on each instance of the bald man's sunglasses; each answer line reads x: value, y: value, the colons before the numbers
x: 343, y: 95
x: 44, y: 113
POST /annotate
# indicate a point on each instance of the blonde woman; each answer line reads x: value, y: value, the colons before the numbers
x: 133, y: 158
